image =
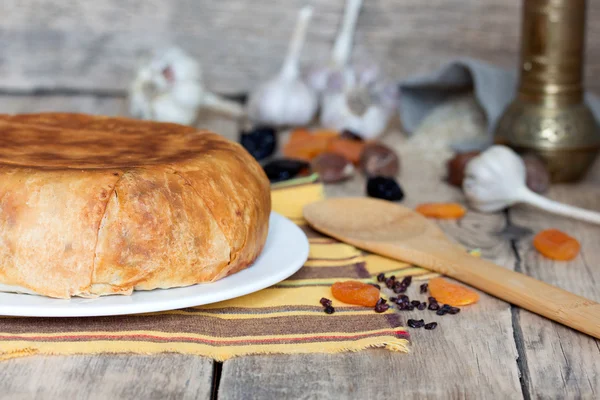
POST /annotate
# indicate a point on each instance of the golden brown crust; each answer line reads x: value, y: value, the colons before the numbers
x: 76, y: 225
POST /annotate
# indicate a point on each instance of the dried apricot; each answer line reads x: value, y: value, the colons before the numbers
x: 450, y: 293
x: 441, y: 210
x: 354, y: 292
x: 556, y: 245
x: 350, y: 149
x: 304, y: 145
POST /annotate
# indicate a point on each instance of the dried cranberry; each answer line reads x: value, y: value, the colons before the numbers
x: 329, y: 310
x: 284, y: 169
x: 325, y: 302
x: 424, y: 288
x: 431, y: 325
x: 384, y: 188
x: 260, y: 142
x: 381, y: 277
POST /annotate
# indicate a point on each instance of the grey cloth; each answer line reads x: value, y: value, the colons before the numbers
x: 494, y: 88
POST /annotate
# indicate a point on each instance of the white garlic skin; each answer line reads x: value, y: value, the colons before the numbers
x: 281, y: 102
x: 495, y: 179
x: 169, y: 88
x: 335, y: 110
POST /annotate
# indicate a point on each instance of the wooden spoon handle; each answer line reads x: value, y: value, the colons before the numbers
x: 526, y: 292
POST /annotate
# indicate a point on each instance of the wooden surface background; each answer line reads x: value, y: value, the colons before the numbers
x: 86, y: 45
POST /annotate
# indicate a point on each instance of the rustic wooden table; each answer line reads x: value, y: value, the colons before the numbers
x: 491, y: 350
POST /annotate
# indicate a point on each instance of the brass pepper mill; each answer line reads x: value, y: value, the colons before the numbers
x: 548, y: 116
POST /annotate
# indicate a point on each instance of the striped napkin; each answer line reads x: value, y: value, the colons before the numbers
x: 286, y: 318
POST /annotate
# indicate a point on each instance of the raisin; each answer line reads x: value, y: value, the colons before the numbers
x: 325, y: 302
x: 381, y: 277
x: 423, y: 288
x: 431, y: 325
x: 329, y: 310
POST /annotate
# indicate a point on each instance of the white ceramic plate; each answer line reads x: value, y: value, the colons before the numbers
x: 285, y: 252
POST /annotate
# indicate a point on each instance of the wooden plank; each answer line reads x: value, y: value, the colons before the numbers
x: 562, y: 362
x: 96, y: 45
x: 107, y: 377
x: 471, y: 355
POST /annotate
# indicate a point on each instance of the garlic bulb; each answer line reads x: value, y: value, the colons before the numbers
x: 357, y: 100
x: 496, y: 179
x: 286, y: 99
x: 169, y: 88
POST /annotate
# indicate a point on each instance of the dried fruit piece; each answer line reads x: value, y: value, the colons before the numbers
x: 348, y: 134
x: 538, y: 177
x: 283, y: 169
x: 431, y: 325
x: 441, y: 210
x: 304, y: 145
x: 350, y: 149
x: 556, y: 245
x: 384, y: 188
x: 354, y: 292
x: 260, y: 142
x: 332, y: 167
x: 451, y: 294
x: 379, y: 160
x: 456, y: 167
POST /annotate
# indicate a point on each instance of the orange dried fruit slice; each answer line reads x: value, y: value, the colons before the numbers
x: 357, y: 293
x: 441, y: 210
x: 556, y: 245
x: 450, y: 293
x: 304, y: 145
x: 350, y: 149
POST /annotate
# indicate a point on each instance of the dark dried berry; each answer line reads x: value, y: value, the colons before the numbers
x: 432, y: 299
x: 424, y: 288
x: 434, y: 306
x: 348, y: 134
x: 381, y: 277
x: 393, y: 299
x: 260, y: 142
x: 441, y: 312
x: 325, y: 302
x: 453, y: 310
x: 284, y: 169
x: 389, y: 283
x: 384, y: 188
x: 393, y: 277
x: 446, y: 307
x: 381, y: 301
x: 399, y: 289
x: 410, y: 307
x: 403, y: 297
x: 407, y: 281
x: 376, y: 285
x: 329, y: 310
x: 415, y: 303
x: 422, y: 306
x: 402, y: 306
x: 381, y: 307
x: 413, y: 323
x: 431, y: 325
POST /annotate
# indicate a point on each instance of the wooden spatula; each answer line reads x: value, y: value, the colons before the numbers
x: 397, y: 232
